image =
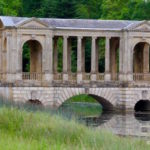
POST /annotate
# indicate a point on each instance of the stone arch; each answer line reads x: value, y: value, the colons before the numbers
x: 35, y: 102
x: 103, y: 96
x: 35, y: 55
x: 136, y: 41
x: 140, y: 56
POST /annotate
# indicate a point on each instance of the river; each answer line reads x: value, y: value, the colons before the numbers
x: 131, y: 124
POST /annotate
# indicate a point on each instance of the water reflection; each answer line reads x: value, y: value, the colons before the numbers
x: 122, y: 124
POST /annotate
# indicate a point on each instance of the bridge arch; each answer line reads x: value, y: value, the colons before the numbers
x: 142, y: 106
x: 106, y: 105
x: 104, y: 96
x: 32, y: 56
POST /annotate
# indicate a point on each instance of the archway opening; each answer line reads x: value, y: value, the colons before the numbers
x: 141, y: 58
x: 35, y: 102
x: 142, y: 106
x: 86, y: 105
x: 32, y: 57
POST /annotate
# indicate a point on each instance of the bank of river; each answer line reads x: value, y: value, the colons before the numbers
x: 22, y: 130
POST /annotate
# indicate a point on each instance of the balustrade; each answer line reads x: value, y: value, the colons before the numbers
x: 141, y: 76
x: 31, y: 76
x: 100, y: 76
x: 58, y: 76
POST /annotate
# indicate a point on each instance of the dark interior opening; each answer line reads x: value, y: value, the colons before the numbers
x: 142, y: 106
x: 35, y: 102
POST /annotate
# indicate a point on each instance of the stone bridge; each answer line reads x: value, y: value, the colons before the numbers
x: 122, y: 46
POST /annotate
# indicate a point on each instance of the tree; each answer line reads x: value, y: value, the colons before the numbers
x: 10, y: 7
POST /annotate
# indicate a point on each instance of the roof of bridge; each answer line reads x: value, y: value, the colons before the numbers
x: 73, y: 23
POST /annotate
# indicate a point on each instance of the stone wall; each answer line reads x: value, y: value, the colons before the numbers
x: 122, y: 99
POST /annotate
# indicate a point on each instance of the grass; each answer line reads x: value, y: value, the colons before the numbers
x: 82, y: 98
x: 39, y: 130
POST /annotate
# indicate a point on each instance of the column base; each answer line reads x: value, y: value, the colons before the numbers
x: 129, y: 77
x: 107, y: 77
x: 18, y: 76
x: 10, y: 78
x: 126, y: 77
x: 48, y: 77
x: 79, y: 78
x: 93, y: 77
x: 65, y: 77
x: 121, y: 77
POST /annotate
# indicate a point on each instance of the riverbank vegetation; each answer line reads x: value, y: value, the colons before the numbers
x: 21, y: 130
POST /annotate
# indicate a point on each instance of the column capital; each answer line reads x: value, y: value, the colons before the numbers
x: 80, y: 37
x: 65, y: 36
x: 49, y: 36
x: 94, y: 37
x: 108, y: 37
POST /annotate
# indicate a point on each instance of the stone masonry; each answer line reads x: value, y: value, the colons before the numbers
x: 125, y: 81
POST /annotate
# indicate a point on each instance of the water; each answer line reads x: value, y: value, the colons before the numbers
x: 133, y: 124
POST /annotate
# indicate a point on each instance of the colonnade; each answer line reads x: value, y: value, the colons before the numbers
x: 111, y: 47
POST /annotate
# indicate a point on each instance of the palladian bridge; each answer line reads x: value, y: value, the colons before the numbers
x: 123, y: 84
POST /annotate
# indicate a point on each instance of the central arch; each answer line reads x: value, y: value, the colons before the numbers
x: 32, y: 57
x: 104, y: 103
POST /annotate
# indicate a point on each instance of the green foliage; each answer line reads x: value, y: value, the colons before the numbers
x: 21, y: 130
x: 26, y: 58
x: 10, y: 7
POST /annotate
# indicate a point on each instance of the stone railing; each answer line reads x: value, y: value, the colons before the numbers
x: 58, y: 76
x: 100, y: 76
x: 3, y: 76
x: 32, y: 76
x: 141, y: 76
x: 73, y: 77
x: 87, y: 76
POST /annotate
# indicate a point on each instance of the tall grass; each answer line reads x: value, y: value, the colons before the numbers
x: 41, y: 130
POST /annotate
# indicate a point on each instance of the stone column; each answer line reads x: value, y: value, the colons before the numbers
x: 121, y: 59
x: 8, y: 56
x: 97, y: 55
x: 107, y: 60
x: 65, y: 58
x: 48, y: 58
x: 83, y: 55
x: 146, y: 58
x: 79, y: 60
x: 19, y: 58
x: 69, y: 55
x: 93, y: 59
x: 55, y: 55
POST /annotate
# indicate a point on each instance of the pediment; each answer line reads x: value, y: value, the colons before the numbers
x: 143, y: 26
x: 32, y: 23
